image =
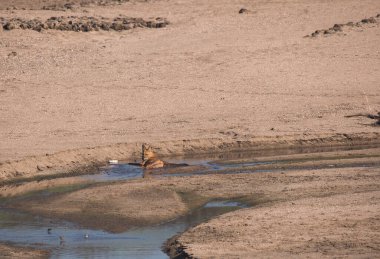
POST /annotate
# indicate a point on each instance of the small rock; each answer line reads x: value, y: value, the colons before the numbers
x: 151, y: 24
x: 372, y: 20
x: 8, y: 26
x: 105, y: 26
x: 243, y: 10
x: 337, y: 27
x: 365, y: 21
x: 68, y: 6
x: 117, y: 26
x: 12, y: 54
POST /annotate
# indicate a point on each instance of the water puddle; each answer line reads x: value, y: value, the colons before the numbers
x: 66, y: 240
x: 250, y: 163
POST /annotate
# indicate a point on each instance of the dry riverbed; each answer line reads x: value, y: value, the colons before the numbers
x: 85, y: 81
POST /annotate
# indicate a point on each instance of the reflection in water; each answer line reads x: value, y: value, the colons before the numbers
x: 75, y: 242
x: 246, y: 164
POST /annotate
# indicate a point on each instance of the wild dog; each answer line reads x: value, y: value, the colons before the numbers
x: 150, y: 160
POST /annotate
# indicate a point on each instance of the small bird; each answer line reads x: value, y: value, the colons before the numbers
x: 49, y: 231
x: 86, y: 236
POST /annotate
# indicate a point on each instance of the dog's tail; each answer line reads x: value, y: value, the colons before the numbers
x: 166, y: 164
x: 135, y: 164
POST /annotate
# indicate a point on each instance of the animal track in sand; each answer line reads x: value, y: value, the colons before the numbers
x: 338, y: 28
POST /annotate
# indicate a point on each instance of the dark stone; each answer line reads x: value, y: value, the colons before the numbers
x: 85, y: 28
x: 365, y: 21
x: 105, y: 26
x: 372, y: 20
x: 8, y: 26
x: 337, y: 27
x: 243, y: 10
x: 12, y: 54
x: 117, y: 26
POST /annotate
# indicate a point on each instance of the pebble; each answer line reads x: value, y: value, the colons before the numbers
x: 243, y: 10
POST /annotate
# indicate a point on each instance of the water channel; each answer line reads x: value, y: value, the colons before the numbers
x: 67, y: 240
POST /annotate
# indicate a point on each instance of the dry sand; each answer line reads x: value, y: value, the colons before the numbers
x: 341, y: 226
x: 211, y: 74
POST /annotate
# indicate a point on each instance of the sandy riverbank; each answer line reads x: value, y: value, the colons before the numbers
x: 330, y: 212
x: 211, y: 74
x: 153, y: 200
x: 331, y: 226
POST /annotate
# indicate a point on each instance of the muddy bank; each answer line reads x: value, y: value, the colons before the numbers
x: 11, y: 251
x: 84, y: 160
x: 276, y: 160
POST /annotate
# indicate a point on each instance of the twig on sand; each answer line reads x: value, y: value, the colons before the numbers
x: 367, y: 115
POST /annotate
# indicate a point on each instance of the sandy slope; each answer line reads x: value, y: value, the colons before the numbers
x: 211, y: 73
x: 337, y: 226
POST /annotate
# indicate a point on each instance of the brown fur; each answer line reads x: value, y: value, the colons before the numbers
x: 149, y: 159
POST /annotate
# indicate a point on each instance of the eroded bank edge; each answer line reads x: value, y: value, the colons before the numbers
x: 85, y: 160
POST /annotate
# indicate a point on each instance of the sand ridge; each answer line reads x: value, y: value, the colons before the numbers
x: 88, y: 160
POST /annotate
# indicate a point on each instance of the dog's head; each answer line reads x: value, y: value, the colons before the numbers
x: 147, y: 152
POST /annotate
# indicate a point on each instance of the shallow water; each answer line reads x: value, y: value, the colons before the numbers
x: 23, y: 229
x: 237, y: 163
